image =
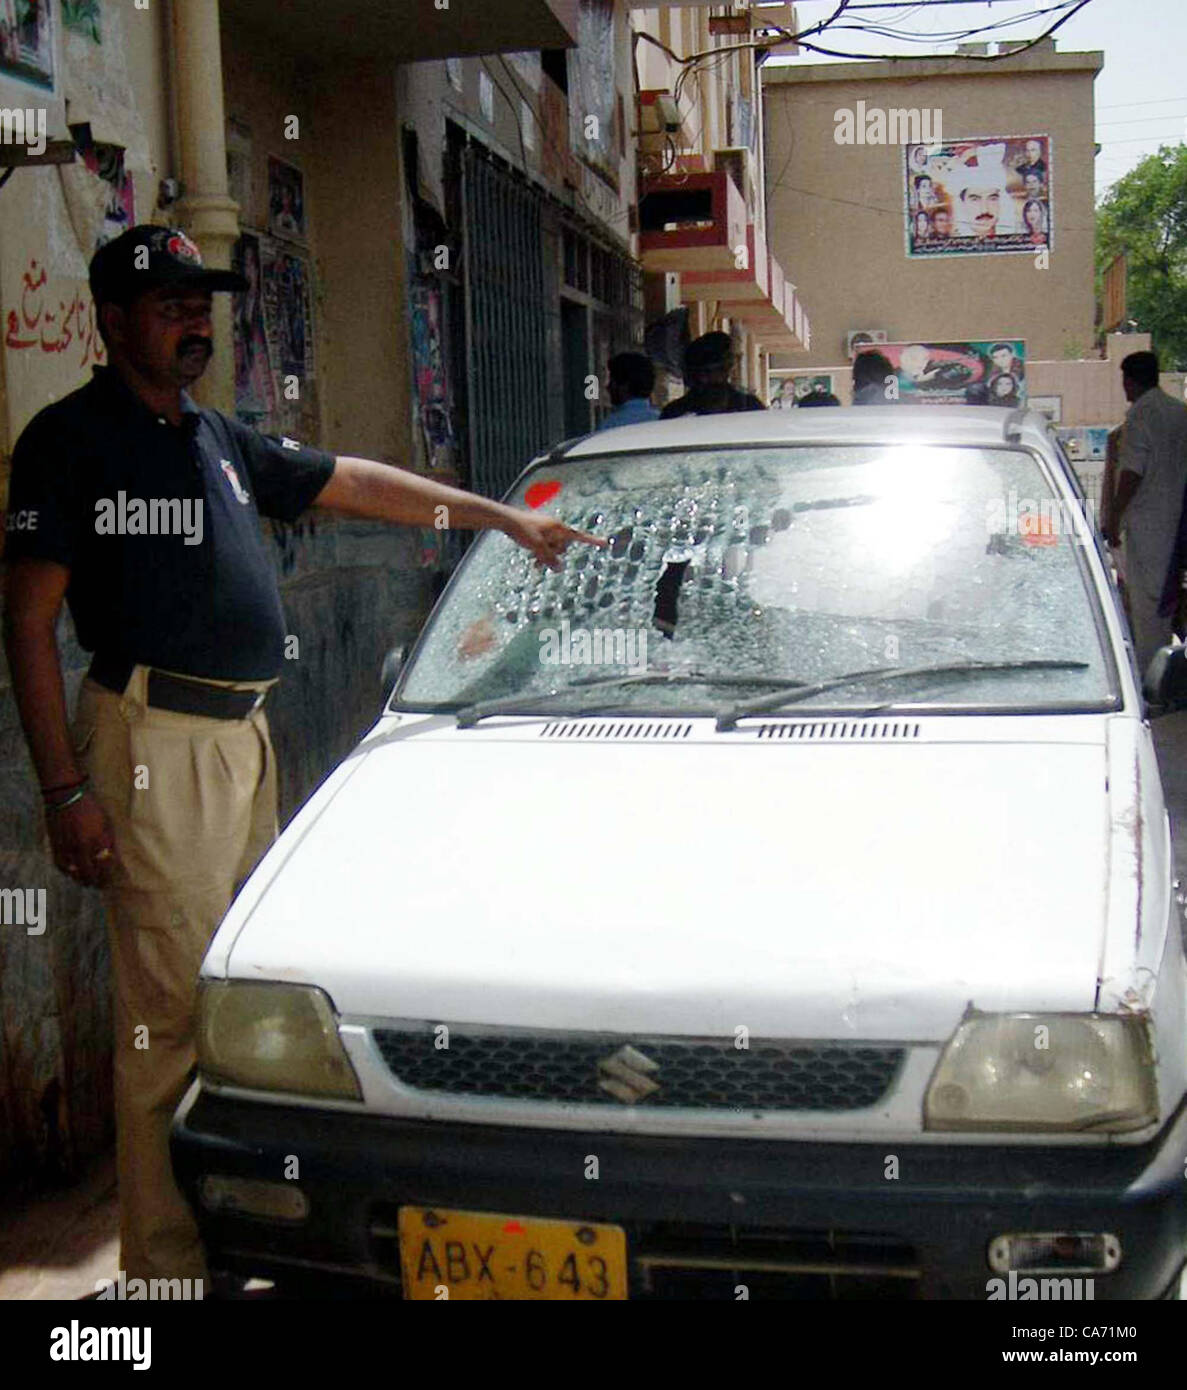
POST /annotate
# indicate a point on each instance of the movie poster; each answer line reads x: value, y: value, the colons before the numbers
x: 979, y: 197
x: 254, y: 388
x: 288, y: 318
x: 971, y: 373
x: 789, y: 388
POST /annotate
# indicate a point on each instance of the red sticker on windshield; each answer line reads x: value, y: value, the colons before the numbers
x: 1035, y: 528
x: 539, y: 493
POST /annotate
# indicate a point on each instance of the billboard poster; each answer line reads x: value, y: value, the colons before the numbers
x: 988, y: 372
x: 978, y: 197
x: 789, y: 388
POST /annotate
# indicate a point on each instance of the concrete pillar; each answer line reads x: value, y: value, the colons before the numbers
x: 205, y: 211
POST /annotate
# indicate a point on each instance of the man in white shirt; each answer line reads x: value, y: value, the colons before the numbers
x: 1148, y: 503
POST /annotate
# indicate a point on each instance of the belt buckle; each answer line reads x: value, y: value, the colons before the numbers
x: 261, y: 696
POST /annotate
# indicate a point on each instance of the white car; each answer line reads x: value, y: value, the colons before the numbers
x: 777, y: 899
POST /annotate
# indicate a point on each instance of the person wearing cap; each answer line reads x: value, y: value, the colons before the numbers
x: 708, y: 361
x: 141, y: 511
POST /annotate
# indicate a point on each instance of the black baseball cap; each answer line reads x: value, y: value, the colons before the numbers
x: 146, y: 257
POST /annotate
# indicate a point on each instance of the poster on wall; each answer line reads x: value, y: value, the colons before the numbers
x: 426, y: 331
x: 27, y: 41
x: 1084, y: 443
x: 593, y: 90
x: 83, y: 17
x: 286, y: 200
x: 978, y: 197
x: 288, y: 317
x: 106, y: 162
x: 990, y: 372
x: 789, y: 388
x: 254, y: 388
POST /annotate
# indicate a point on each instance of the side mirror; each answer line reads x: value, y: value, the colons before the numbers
x: 1166, y: 679
x: 393, y: 664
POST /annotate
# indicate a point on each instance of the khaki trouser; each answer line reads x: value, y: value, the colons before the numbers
x: 192, y: 803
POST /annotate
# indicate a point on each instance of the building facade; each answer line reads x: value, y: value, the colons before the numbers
x: 850, y: 147
x: 449, y: 218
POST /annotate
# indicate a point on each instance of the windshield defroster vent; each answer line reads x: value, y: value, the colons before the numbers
x: 851, y: 730
x: 658, y: 728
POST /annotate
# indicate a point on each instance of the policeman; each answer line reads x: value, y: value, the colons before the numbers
x: 141, y: 510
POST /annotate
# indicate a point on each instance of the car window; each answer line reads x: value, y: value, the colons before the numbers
x: 795, y: 563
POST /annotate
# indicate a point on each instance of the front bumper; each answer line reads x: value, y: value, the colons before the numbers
x: 785, y: 1218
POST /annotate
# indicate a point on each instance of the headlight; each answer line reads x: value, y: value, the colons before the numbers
x: 272, y: 1038
x: 1044, y: 1072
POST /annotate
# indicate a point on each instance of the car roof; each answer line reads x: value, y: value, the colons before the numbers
x: 892, y: 424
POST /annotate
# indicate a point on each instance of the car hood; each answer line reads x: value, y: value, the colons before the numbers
x: 808, y: 890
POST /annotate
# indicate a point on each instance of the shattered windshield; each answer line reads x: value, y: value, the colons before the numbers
x: 733, y: 572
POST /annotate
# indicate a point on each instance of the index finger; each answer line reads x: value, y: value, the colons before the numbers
x: 585, y: 537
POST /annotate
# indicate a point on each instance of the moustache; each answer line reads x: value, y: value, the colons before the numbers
x: 189, y: 344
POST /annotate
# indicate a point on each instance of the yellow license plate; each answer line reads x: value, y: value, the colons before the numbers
x: 446, y: 1254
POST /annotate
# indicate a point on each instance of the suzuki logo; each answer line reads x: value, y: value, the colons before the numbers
x: 627, y: 1075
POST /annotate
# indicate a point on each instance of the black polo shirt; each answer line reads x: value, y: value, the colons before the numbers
x: 159, y: 527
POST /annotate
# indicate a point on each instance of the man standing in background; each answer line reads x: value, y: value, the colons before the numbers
x: 631, y: 382
x: 708, y: 361
x: 1147, y: 506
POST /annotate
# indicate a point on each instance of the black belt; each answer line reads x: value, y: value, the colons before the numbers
x: 177, y: 693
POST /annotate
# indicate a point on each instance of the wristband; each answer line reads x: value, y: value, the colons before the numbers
x: 71, y: 800
x: 63, y: 787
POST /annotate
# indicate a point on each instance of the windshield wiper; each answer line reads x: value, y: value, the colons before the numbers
x: 469, y: 715
x: 797, y: 690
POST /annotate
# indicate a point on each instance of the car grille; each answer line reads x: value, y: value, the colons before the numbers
x: 692, y: 1260
x: 701, y: 1073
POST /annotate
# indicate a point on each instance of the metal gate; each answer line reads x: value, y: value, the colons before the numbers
x: 506, y: 317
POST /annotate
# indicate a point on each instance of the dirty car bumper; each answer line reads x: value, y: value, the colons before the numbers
x: 817, y: 1211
